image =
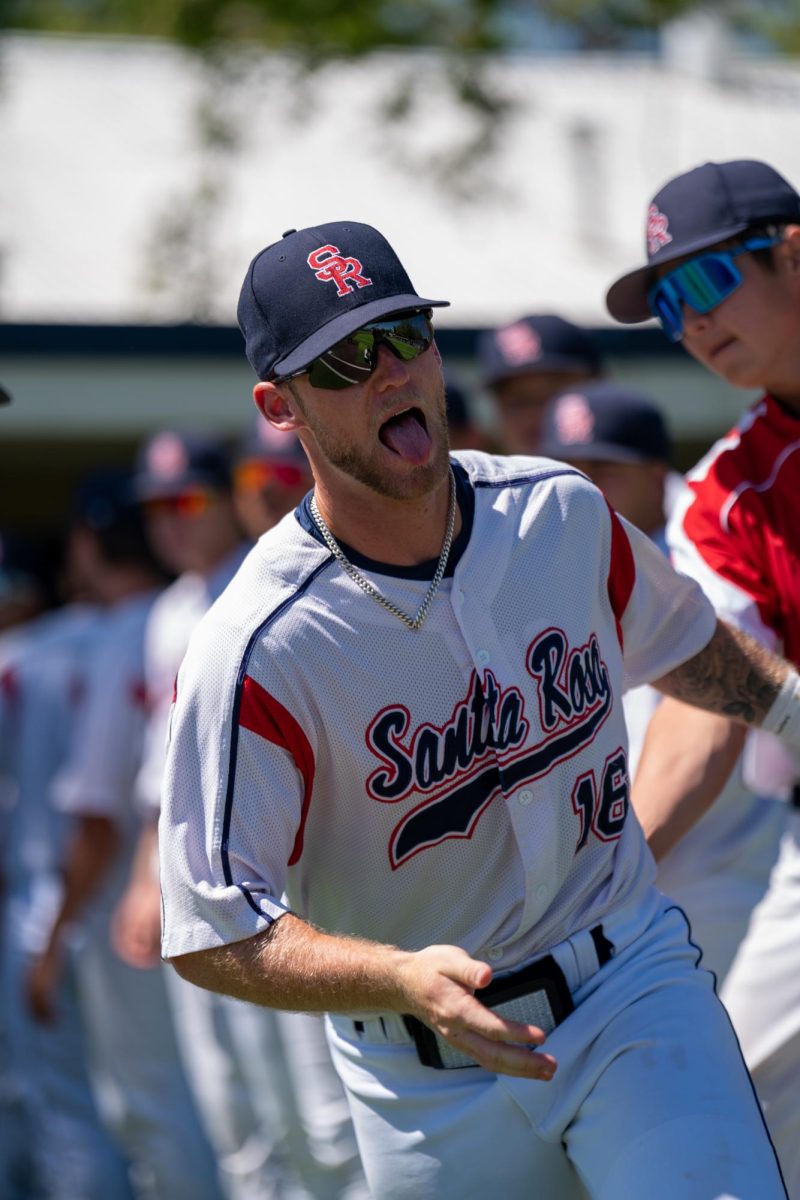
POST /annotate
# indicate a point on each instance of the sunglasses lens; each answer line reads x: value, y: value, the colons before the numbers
x: 255, y: 476
x: 667, y: 311
x: 408, y: 337
x: 184, y: 504
x: 353, y: 359
x: 705, y: 282
x: 702, y: 283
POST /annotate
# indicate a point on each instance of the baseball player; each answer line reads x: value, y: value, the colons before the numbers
x: 619, y: 439
x: 125, y: 1011
x: 396, y: 786
x: 525, y: 363
x: 63, y: 1139
x: 270, y: 476
x: 722, y: 277
x: 258, y: 1077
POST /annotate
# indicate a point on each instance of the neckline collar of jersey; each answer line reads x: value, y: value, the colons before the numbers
x: 465, y: 497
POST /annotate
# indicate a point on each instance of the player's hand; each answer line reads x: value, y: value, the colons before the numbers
x: 136, y: 925
x: 41, y: 986
x: 438, y: 985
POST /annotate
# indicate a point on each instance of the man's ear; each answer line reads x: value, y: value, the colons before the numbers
x: 791, y: 247
x: 275, y: 405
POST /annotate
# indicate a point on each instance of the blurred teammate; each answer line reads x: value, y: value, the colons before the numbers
x: 465, y: 432
x: 62, y: 1140
x: 723, y: 277
x: 527, y: 362
x: 126, y: 1011
x: 254, y: 1083
x: 270, y: 476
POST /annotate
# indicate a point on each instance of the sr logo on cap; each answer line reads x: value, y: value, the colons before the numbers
x: 657, y: 232
x: 519, y: 343
x: 330, y: 266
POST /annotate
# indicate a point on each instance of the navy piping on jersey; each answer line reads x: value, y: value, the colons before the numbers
x: 466, y: 500
x: 237, y: 704
x: 425, y: 570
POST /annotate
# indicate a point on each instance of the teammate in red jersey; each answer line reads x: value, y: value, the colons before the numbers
x: 723, y: 277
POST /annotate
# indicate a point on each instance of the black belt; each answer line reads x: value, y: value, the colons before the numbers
x: 538, y: 995
x: 794, y: 799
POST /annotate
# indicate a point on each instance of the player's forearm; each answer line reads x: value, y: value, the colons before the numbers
x: 295, y: 966
x: 90, y: 854
x: 734, y: 676
x: 686, y: 761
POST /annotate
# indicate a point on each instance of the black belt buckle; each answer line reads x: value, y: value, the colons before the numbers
x: 537, y: 995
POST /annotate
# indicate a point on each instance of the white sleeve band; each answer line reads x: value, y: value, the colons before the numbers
x: 783, y: 718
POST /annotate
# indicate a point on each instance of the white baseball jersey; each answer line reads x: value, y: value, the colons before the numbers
x: 465, y: 783
x: 174, y: 615
x: 106, y: 748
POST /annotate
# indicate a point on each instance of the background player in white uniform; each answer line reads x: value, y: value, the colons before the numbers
x: 412, y: 727
x: 66, y: 1142
x: 723, y: 275
x: 125, y: 1010
x: 271, y: 1100
x: 720, y: 870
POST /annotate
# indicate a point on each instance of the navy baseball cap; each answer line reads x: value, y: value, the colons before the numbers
x: 171, y: 462
x: 305, y: 293
x: 605, y: 422
x: 539, y: 342
x: 698, y: 209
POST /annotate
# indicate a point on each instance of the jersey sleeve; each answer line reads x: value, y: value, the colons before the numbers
x: 718, y: 544
x: 663, y: 617
x: 235, y: 785
x: 97, y: 777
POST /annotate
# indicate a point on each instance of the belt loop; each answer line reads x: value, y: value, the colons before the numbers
x: 603, y: 947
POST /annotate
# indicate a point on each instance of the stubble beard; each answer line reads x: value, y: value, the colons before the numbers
x: 414, y: 483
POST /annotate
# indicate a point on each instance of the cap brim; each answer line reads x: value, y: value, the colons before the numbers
x: 541, y: 366
x: 626, y: 299
x: 345, y: 324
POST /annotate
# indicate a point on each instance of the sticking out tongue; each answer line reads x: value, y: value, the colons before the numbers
x: 407, y: 435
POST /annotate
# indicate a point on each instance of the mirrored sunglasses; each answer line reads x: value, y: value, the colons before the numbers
x: 354, y: 358
x: 702, y: 283
x: 190, y: 503
x: 253, y: 475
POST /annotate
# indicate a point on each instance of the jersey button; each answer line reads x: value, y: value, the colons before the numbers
x: 542, y: 891
x: 494, y: 954
x: 483, y: 657
x: 525, y: 796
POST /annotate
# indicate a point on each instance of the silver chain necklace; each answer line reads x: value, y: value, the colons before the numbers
x: 366, y: 586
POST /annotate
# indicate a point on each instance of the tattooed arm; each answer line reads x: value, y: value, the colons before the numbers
x: 697, y: 732
x: 734, y: 676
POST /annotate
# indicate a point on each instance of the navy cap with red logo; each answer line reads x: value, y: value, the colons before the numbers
x: 539, y: 343
x: 171, y: 462
x: 605, y: 422
x: 697, y: 209
x: 305, y: 293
